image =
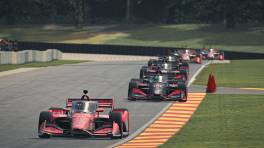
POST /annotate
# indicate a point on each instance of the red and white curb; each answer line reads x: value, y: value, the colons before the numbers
x: 168, y: 124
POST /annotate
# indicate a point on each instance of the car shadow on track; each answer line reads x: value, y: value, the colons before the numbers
x: 151, y: 100
x: 72, y: 138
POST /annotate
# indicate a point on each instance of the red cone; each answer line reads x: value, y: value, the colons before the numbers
x: 208, y: 82
x: 211, y: 85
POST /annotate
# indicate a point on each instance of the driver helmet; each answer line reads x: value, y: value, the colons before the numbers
x: 85, y: 91
x: 85, y: 96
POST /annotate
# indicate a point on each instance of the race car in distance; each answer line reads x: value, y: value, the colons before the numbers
x: 175, y: 61
x: 212, y: 54
x: 171, y: 70
x: 190, y: 55
x: 84, y: 118
x: 8, y: 45
x: 157, y: 87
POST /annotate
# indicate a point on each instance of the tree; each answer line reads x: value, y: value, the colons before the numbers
x: 128, y: 6
x: 78, y: 8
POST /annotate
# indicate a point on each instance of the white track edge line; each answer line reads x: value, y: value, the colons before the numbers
x: 197, y: 72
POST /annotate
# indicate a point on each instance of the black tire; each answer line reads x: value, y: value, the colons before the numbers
x: 117, y: 118
x: 185, y: 74
x: 149, y: 62
x: 125, y: 129
x: 141, y: 74
x: 44, y: 116
x: 129, y: 94
x: 129, y: 90
x: 184, y: 98
x: 132, y: 84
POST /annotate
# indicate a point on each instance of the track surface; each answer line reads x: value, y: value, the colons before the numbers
x: 24, y: 95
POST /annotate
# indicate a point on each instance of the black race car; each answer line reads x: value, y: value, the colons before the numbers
x: 172, y: 70
x: 159, y: 87
x: 176, y: 61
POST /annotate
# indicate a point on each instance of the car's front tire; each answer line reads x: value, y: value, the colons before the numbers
x: 44, y: 117
x: 117, y: 118
x: 184, y: 97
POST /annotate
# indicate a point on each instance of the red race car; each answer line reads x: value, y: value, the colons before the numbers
x: 84, y: 118
x: 212, y: 54
x: 8, y: 45
x: 190, y: 55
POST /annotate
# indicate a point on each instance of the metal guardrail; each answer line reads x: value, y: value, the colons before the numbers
x: 122, y: 49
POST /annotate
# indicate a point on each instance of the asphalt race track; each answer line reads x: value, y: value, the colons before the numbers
x: 24, y: 95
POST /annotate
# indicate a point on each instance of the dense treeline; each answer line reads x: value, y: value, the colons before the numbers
x: 79, y: 12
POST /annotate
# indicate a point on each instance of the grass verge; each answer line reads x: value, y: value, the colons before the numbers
x: 224, y: 121
x: 238, y: 73
x: 6, y: 67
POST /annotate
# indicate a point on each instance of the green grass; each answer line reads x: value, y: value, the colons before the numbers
x: 243, y: 38
x: 233, y: 121
x: 51, y: 33
x: 238, y: 73
x: 6, y: 67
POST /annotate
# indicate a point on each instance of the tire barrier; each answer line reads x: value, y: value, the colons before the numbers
x: 26, y: 56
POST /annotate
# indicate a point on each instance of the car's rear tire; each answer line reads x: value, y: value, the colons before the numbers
x: 129, y: 95
x: 141, y: 74
x: 44, y: 117
x: 185, y: 74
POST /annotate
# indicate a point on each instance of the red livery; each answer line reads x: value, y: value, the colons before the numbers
x: 212, y: 54
x: 85, y: 118
x: 190, y: 55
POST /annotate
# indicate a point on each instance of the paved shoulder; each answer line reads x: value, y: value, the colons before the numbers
x: 15, y: 71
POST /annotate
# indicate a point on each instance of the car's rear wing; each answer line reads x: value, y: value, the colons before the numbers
x: 103, y: 103
x: 192, y: 51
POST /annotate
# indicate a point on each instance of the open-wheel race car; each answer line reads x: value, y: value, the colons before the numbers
x: 172, y: 70
x: 157, y: 87
x: 190, y: 55
x: 8, y: 45
x: 212, y: 54
x: 175, y: 61
x: 84, y: 118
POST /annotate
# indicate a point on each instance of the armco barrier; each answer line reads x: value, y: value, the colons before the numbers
x: 122, y: 49
x: 25, y: 56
